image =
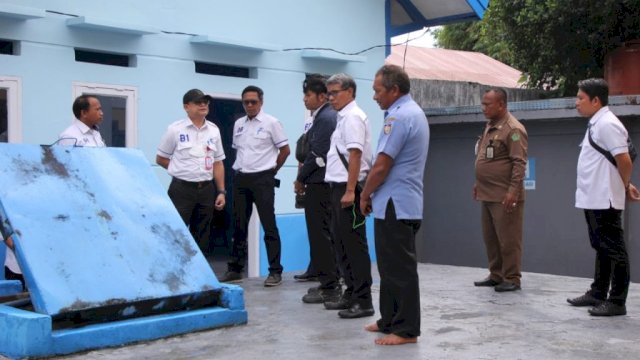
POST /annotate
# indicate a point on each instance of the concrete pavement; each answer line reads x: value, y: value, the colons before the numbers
x: 459, y: 321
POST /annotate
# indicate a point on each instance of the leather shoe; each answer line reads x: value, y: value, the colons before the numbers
x: 232, y: 277
x: 314, y: 289
x: 273, y: 280
x: 608, y: 309
x: 486, y: 282
x: 322, y: 296
x: 342, y: 304
x: 305, y: 277
x: 585, y: 300
x: 506, y: 286
x: 356, y: 311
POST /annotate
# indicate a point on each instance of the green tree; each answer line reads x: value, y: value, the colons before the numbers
x: 554, y: 42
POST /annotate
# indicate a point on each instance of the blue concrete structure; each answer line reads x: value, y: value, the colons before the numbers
x: 99, y: 240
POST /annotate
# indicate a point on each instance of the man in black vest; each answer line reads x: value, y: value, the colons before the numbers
x: 310, y: 181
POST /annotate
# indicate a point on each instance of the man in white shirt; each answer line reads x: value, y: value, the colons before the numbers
x: 601, y: 190
x: 84, y: 131
x: 262, y: 148
x: 191, y: 151
x: 348, y: 163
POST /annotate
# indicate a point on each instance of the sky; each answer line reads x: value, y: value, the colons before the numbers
x: 420, y: 38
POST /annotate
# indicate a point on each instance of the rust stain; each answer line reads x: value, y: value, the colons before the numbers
x: 51, y: 164
x: 105, y: 215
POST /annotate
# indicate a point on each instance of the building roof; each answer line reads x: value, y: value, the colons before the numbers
x: 405, y: 16
x: 453, y: 65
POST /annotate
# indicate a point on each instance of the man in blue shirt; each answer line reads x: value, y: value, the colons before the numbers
x: 393, y: 192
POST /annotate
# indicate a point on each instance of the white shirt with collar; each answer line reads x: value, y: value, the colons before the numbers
x: 599, y: 185
x: 191, y: 150
x: 257, y: 142
x: 79, y: 134
x: 352, y: 132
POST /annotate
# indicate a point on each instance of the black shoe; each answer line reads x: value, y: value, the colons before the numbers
x: 273, y: 280
x: 608, y: 309
x: 342, y: 304
x: 585, y: 300
x: 506, y: 286
x: 322, y: 296
x: 313, y: 290
x: 232, y: 277
x: 356, y: 311
x: 305, y: 277
x: 486, y: 282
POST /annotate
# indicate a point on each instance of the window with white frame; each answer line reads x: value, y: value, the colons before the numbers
x: 119, y: 123
x: 10, y: 110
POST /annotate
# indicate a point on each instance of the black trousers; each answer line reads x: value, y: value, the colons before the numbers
x: 195, y: 203
x: 249, y: 189
x: 398, y: 268
x: 612, y: 261
x: 317, y: 213
x: 351, y: 247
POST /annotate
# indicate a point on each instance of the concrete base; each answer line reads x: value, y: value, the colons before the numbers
x: 28, y: 334
x: 459, y: 321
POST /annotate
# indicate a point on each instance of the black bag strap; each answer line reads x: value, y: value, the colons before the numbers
x: 602, y: 151
x: 343, y: 159
x: 346, y: 166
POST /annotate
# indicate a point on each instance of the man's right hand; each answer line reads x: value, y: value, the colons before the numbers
x: 475, y: 192
x: 298, y: 187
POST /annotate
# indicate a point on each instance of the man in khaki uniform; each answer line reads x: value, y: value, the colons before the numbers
x: 501, y: 159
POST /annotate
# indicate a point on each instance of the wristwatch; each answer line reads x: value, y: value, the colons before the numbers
x: 223, y: 192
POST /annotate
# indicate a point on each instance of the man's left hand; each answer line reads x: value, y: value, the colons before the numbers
x: 348, y: 199
x: 509, y: 202
x: 633, y: 193
x: 220, y: 202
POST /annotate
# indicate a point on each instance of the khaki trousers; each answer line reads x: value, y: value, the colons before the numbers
x: 502, y: 232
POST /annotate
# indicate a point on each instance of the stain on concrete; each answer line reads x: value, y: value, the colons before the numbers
x: 105, y: 215
x: 61, y: 217
x: 461, y: 316
x: 173, y: 281
x: 51, y: 164
x: 447, y: 329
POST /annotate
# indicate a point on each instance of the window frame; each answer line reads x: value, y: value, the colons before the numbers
x: 130, y: 93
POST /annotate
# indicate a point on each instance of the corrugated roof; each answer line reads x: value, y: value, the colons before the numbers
x: 454, y: 65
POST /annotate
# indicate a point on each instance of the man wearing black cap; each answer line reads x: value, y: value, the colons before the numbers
x: 191, y: 151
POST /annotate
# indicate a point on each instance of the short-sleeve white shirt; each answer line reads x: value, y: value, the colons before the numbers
x: 191, y: 151
x: 352, y: 132
x: 257, y: 142
x: 599, y: 185
x: 79, y: 134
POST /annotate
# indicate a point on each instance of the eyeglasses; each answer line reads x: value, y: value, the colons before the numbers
x: 335, y: 92
x: 250, y: 102
x: 201, y: 102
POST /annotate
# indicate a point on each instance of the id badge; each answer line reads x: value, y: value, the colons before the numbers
x: 489, y: 150
x: 208, y: 163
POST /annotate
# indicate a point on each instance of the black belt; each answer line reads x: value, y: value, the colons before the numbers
x: 336, y: 184
x: 196, y: 184
x: 256, y: 174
